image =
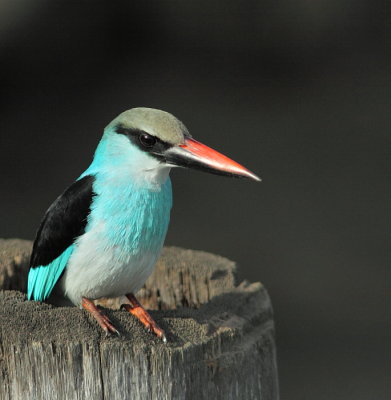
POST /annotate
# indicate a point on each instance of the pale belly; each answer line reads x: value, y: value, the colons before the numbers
x: 103, y: 270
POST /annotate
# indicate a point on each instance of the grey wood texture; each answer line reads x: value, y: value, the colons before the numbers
x: 220, y: 338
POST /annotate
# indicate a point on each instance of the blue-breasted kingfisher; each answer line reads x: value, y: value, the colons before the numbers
x: 103, y: 235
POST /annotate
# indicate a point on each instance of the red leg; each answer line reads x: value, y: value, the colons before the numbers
x: 136, y: 309
x: 102, y: 319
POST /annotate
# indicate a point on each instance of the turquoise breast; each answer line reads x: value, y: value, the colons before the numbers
x: 135, y: 219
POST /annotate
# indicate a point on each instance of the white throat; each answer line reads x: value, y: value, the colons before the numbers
x: 153, y: 175
x: 120, y: 162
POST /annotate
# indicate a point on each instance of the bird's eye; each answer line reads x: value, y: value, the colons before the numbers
x: 147, y: 140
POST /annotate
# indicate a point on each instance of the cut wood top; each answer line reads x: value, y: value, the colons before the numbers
x: 220, y: 336
x: 195, y: 290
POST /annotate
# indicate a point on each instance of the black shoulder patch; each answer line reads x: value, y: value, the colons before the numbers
x: 64, y: 221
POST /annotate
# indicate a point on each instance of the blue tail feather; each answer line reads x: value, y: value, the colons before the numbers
x: 42, y: 279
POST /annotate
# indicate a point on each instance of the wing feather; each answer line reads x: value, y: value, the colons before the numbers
x: 64, y: 221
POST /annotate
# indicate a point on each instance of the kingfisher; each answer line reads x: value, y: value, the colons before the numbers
x: 103, y: 235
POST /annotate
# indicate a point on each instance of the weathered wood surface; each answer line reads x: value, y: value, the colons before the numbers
x: 220, y: 338
x: 14, y: 263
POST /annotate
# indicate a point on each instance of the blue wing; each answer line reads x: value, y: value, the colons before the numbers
x: 64, y: 221
x: 43, y: 278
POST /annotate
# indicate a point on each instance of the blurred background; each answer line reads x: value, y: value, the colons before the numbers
x: 298, y: 91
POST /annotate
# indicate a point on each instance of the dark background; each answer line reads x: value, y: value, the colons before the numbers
x: 298, y: 91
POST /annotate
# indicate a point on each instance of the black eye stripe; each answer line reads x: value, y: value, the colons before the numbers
x: 144, y: 141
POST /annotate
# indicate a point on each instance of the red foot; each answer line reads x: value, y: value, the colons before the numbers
x: 136, y: 309
x: 102, y: 319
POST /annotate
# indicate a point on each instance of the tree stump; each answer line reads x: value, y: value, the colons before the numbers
x: 220, y: 337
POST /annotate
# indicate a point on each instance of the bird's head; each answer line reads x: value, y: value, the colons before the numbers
x: 155, y: 141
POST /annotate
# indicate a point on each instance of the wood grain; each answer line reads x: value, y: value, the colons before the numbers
x: 220, y: 340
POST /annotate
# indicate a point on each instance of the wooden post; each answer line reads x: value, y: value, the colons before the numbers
x: 220, y: 337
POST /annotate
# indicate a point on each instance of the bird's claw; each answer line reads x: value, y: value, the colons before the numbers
x: 102, y: 319
x: 143, y: 316
x: 109, y: 328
